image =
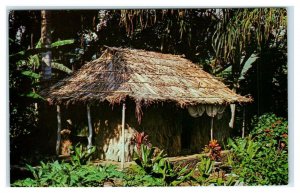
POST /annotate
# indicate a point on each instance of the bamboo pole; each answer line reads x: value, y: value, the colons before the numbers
x: 90, y: 128
x: 58, y: 129
x: 211, y: 128
x: 123, y: 137
x: 232, y: 108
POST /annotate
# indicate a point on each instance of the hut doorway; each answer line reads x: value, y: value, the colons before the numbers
x: 186, y: 134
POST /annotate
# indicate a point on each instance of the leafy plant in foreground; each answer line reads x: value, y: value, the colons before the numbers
x: 261, y: 160
x: 76, y: 173
x: 208, y: 174
x: 81, y: 156
x: 67, y: 175
x: 159, y: 167
x: 205, y: 168
x: 271, y: 130
x: 136, y: 176
x: 214, y: 150
x: 140, y: 138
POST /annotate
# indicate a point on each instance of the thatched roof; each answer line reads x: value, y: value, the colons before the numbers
x: 144, y: 76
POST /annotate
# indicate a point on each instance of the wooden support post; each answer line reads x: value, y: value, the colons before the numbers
x: 90, y: 128
x: 232, y: 108
x: 123, y: 137
x: 58, y: 129
x: 243, y: 127
x: 211, y: 128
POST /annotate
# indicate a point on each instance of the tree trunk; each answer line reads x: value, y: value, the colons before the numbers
x: 46, y: 43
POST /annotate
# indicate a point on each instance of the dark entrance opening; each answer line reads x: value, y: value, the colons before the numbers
x: 186, y: 133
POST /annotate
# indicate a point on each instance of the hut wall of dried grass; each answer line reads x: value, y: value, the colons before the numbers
x: 162, y: 122
x: 200, y: 129
x: 167, y: 124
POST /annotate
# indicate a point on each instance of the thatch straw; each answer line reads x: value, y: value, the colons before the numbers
x: 144, y: 76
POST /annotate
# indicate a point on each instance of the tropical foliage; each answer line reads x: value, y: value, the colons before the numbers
x: 214, y: 150
x: 160, y: 168
x: 262, y: 159
x: 62, y: 174
x: 243, y: 33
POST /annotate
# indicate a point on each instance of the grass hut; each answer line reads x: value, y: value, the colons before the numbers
x: 125, y: 91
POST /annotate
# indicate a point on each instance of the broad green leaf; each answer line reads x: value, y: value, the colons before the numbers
x: 61, y: 67
x: 248, y: 65
x: 39, y: 44
x: 34, y: 60
x: 19, y: 53
x: 62, y: 43
x: 32, y: 95
x: 31, y: 74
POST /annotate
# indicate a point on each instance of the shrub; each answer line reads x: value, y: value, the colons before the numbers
x: 205, y: 168
x: 214, y: 150
x: 76, y: 173
x: 208, y: 174
x: 140, y: 138
x: 79, y: 156
x: 136, y: 176
x: 271, y: 131
x: 261, y: 159
x: 66, y: 175
x: 160, y: 168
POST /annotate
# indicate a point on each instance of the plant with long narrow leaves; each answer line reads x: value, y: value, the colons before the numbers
x: 159, y: 167
x: 80, y: 156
